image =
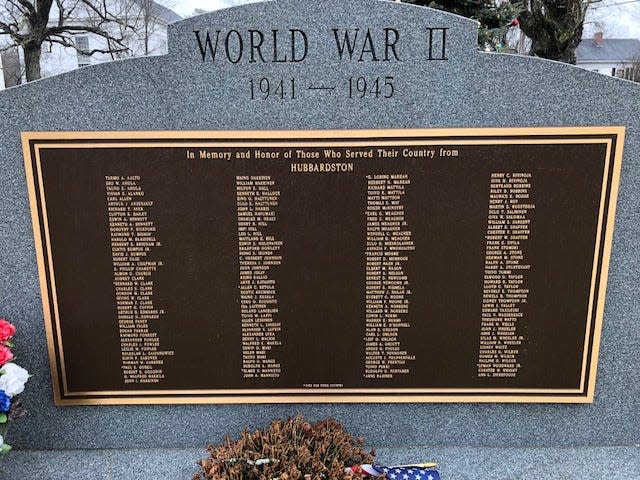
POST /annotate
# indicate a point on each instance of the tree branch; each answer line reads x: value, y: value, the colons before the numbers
x: 16, y: 7
x: 28, y: 5
x: 5, y: 29
x: 70, y: 10
x: 12, y: 13
x: 60, y: 31
x: 66, y: 42
x: 6, y: 48
x: 77, y: 28
x: 101, y: 13
x: 60, y: 12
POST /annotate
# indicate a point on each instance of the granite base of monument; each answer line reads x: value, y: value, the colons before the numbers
x: 455, y: 463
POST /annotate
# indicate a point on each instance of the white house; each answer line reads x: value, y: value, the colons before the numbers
x: 146, y: 34
x: 619, y: 57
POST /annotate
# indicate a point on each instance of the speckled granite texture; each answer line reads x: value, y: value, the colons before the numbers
x: 180, y: 92
x: 454, y: 463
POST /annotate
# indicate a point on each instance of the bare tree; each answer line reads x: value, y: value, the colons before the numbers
x: 31, y: 23
x: 143, y: 21
x: 149, y: 25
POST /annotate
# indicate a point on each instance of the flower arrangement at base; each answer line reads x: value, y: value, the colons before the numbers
x: 290, y: 449
x: 12, y: 381
x: 295, y: 449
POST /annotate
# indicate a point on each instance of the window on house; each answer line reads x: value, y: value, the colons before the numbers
x: 620, y: 72
x: 629, y: 73
x: 82, y: 44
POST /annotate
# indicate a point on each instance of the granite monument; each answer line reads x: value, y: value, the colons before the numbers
x: 360, y: 76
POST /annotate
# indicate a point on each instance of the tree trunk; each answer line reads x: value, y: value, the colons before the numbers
x: 569, y: 57
x: 553, y: 50
x: 146, y: 36
x: 32, y: 54
x: 554, y: 27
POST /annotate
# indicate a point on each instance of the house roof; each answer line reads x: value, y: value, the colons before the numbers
x: 162, y: 12
x: 611, y: 49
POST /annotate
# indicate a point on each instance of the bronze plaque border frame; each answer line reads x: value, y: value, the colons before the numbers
x: 612, y: 136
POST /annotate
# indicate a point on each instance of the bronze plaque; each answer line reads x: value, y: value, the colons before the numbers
x: 464, y: 265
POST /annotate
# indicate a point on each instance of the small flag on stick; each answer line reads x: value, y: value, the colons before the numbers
x: 421, y: 471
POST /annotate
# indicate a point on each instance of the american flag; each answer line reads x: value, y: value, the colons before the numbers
x: 403, y: 472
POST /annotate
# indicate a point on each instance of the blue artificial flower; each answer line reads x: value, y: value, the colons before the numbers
x: 5, y: 402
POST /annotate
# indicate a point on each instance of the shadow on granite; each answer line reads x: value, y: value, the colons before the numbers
x: 455, y: 463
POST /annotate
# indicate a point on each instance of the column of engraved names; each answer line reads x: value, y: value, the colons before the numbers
x: 257, y: 200
x: 387, y: 286
x: 133, y: 240
x: 505, y: 274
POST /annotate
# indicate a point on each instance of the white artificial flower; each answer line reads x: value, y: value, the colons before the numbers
x: 13, y: 379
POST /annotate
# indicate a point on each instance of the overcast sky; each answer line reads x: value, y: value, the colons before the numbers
x: 186, y: 7
x: 616, y: 18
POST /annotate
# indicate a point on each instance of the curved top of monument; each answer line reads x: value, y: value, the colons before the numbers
x: 423, y: 64
x: 274, y: 36
x: 380, y: 18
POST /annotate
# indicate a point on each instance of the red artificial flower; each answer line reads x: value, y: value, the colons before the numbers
x: 5, y: 355
x: 7, y: 330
